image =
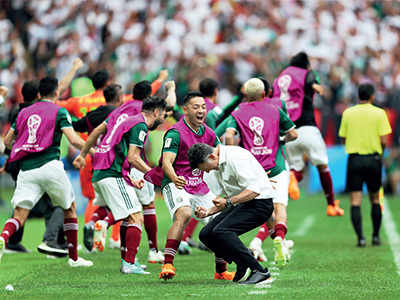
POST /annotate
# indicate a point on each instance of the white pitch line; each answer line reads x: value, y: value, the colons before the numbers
x: 305, y: 226
x: 393, y: 236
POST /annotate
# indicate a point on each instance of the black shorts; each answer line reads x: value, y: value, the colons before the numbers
x: 364, y: 168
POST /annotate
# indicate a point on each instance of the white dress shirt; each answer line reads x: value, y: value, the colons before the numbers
x: 239, y: 170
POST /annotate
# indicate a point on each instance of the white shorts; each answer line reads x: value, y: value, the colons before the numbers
x: 176, y: 198
x: 309, y: 142
x: 146, y: 194
x: 281, y: 187
x: 212, y: 182
x: 118, y: 195
x: 50, y: 178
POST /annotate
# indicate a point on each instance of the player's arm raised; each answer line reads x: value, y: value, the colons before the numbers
x: 168, y: 159
x: 66, y: 80
x: 229, y: 136
x: 9, y: 139
x: 171, y: 96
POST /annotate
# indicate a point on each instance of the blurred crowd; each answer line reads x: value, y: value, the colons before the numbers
x: 349, y: 41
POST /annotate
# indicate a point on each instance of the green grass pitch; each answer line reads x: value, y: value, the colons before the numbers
x: 325, y: 265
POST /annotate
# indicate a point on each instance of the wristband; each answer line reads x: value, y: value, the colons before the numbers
x: 228, y: 203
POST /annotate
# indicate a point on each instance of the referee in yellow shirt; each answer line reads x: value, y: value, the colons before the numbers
x: 365, y: 128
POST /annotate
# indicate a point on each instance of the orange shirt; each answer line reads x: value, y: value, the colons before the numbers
x: 80, y: 106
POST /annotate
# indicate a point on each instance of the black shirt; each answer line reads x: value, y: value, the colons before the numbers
x: 307, y: 114
x: 93, y: 119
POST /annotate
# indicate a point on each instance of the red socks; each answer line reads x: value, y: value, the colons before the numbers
x: 10, y: 227
x: 280, y: 230
x: 170, y: 250
x: 190, y: 228
x: 122, y: 231
x: 110, y: 219
x: 99, y: 214
x: 298, y: 175
x: 263, y: 232
x: 326, y: 182
x: 150, y: 225
x: 133, y: 236
x: 71, y: 232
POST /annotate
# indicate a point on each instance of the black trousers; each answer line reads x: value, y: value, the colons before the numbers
x: 221, y: 235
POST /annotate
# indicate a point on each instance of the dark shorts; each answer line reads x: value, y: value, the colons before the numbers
x: 364, y: 168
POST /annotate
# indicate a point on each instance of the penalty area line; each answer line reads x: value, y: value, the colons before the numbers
x: 305, y: 226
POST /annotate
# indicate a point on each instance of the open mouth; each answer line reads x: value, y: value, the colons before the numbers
x: 200, y: 118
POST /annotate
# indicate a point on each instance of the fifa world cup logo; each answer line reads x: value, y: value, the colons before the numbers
x: 284, y: 84
x: 256, y: 125
x: 120, y: 120
x: 33, y: 126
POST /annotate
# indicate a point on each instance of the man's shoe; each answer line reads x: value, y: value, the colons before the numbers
x: 2, y: 246
x: 113, y: 244
x: 88, y: 232
x: 184, y: 248
x: 155, y: 257
x: 288, y: 244
x: 167, y: 272
x: 241, y: 274
x: 224, y: 275
x: 127, y: 268
x: 100, y: 233
x: 280, y: 258
x: 294, y: 190
x: 192, y: 243
x: 361, y: 243
x: 137, y: 263
x: 255, y: 248
x: 80, y: 262
x: 52, y: 249
x: 335, y: 210
x: 256, y: 277
x: 376, y: 241
x: 16, y: 248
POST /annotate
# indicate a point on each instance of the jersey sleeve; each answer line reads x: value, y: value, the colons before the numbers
x: 171, y: 141
x: 232, y: 123
x: 384, y: 125
x: 222, y: 128
x: 285, y: 124
x: 284, y: 107
x: 64, y: 118
x: 211, y: 119
x: 137, y: 135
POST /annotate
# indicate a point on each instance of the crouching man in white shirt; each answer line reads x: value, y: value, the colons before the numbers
x: 247, y: 205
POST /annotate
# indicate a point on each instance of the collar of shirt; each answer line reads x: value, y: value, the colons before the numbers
x: 222, y: 156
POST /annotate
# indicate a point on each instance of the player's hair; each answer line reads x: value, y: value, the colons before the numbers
x: 48, y: 86
x: 111, y: 92
x: 191, y: 95
x: 100, y: 79
x: 30, y: 91
x: 254, y: 89
x: 207, y: 87
x: 266, y: 85
x: 198, y: 154
x: 365, y: 91
x: 141, y: 90
x: 153, y: 102
x: 300, y: 60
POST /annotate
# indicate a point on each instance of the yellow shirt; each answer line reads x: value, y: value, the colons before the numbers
x: 362, y: 126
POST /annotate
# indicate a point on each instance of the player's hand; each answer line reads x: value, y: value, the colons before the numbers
x: 139, y: 184
x: 163, y: 75
x: 180, y: 182
x: 318, y: 88
x: 220, y: 202
x: 3, y: 90
x: 200, y: 212
x: 170, y: 85
x: 79, y: 162
x: 78, y: 63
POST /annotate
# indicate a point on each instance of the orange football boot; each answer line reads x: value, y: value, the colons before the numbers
x: 167, y: 271
x: 335, y: 210
x: 224, y: 275
x: 294, y: 191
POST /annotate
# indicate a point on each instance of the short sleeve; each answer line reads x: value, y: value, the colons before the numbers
x: 171, y: 141
x: 384, y: 125
x: 64, y: 118
x: 285, y: 124
x: 343, y: 126
x: 137, y: 135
